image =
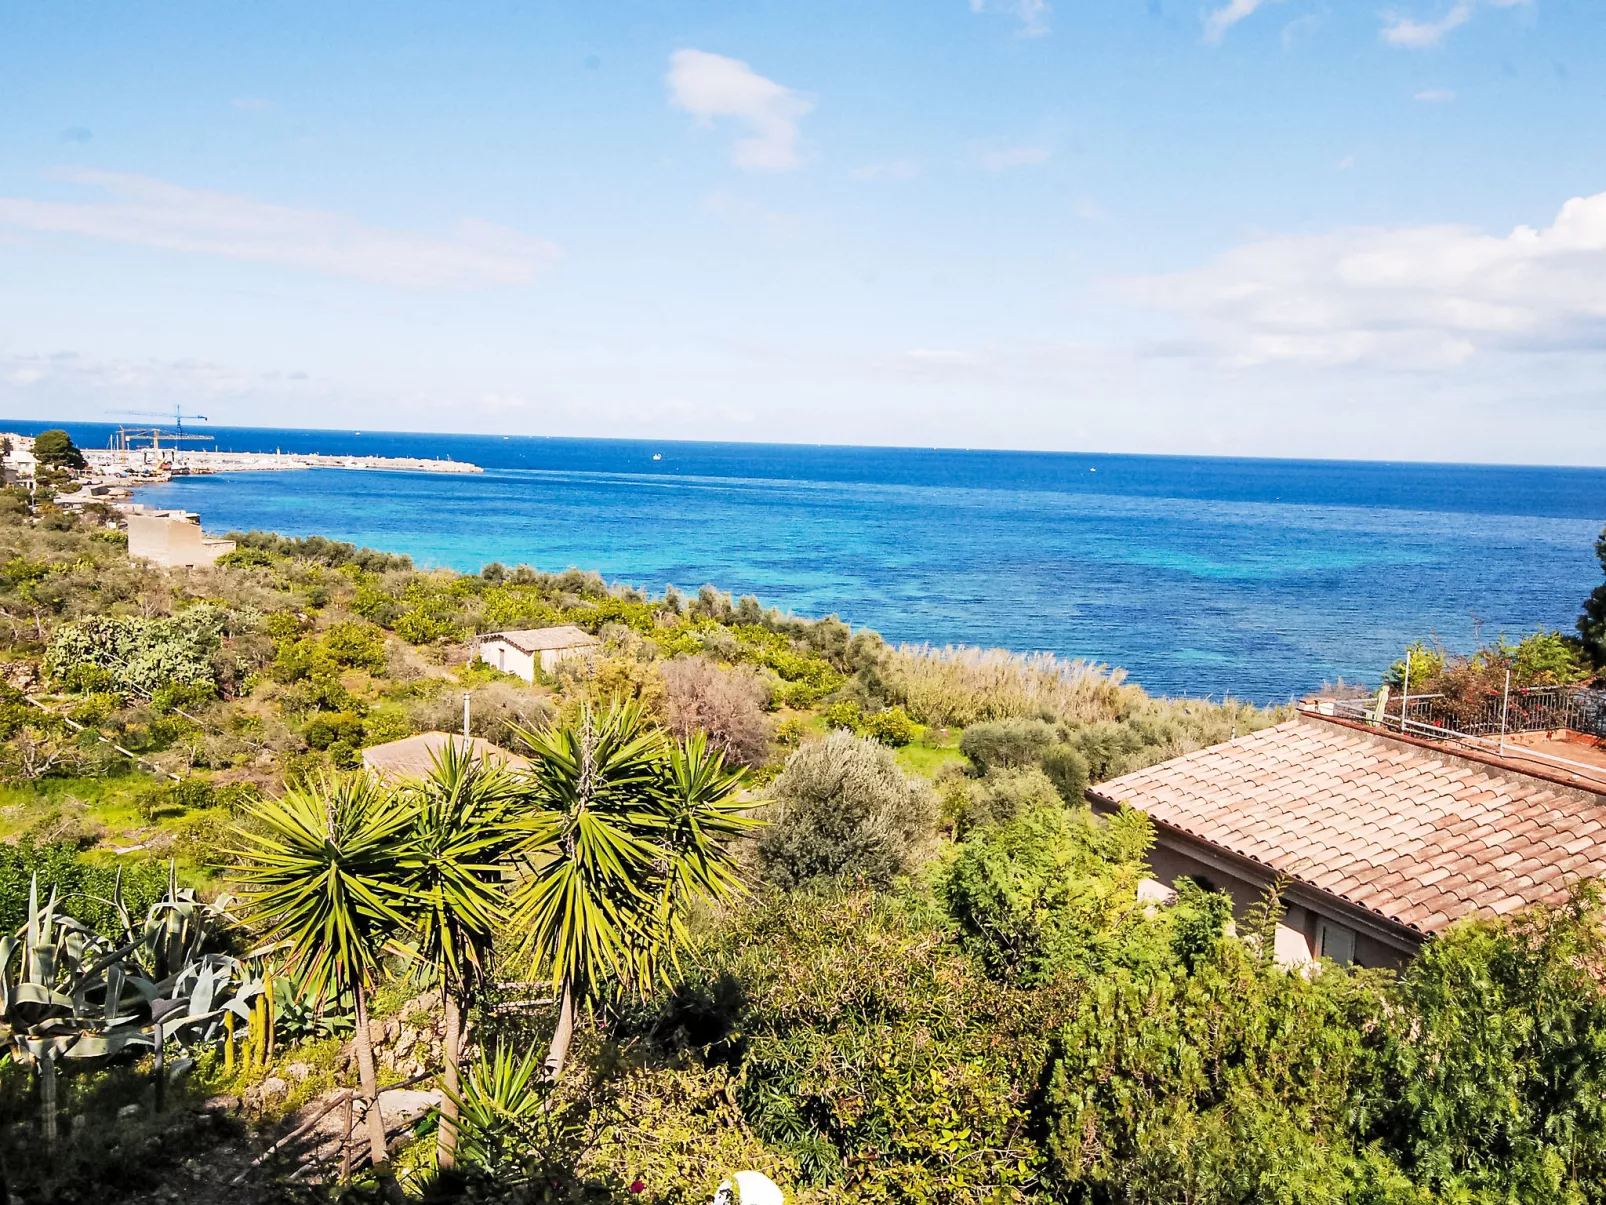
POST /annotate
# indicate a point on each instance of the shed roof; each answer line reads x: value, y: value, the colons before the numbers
x: 1413, y: 833
x: 413, y: 756
x: 537, y: 640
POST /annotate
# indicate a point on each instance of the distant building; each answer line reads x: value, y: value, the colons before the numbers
x: 18, y: 466
x: 520, y: 652
x: 412, y: 757
x: 1384, y: 839
x: 171, y: 538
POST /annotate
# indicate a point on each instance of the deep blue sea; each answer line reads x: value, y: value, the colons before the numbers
x: 1259, y: 578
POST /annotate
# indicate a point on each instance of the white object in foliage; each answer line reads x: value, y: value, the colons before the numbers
x: 749, y: 1188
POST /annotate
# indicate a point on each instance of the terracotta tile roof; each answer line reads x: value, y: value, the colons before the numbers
x: 536, y: 640
x: 412, y: 756
x: 1418, y: 835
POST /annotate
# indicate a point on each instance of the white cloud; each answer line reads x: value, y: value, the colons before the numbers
x: 1032, y: 14
x: 1435, y: 96
x: 1217, y: 23
x: 1299, y: 27
x: 1411, y: 34
x: 92, y: 376
x: 993, y: 158
x: 153, y: 213
x: 710, y: 86
x: 1346, y: 163
x: 895, y: 169
x: 1400, y: 30
x: 1412, y: 297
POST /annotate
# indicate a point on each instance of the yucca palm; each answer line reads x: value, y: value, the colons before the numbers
x: 703, y: 812
x: 319, y: 867
x: 622, y: 830
x: 453, y: 890
x: 590, y: 814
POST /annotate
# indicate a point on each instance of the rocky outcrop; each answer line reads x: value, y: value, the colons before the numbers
x: 409, y: 1043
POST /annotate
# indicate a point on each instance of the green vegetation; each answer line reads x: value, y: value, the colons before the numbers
x: 56, y: 449
x: 769, y: 893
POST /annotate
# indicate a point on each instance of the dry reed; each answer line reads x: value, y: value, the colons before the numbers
x: 959, y: 685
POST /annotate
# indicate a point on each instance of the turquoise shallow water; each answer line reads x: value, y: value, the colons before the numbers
x: 1200, y: 575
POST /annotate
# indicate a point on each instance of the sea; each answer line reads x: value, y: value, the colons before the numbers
x: 1205, y: 576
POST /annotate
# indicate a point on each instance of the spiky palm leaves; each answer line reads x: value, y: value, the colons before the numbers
x: 622, y: 832
x: 321, y: 867
x: 462, y: 838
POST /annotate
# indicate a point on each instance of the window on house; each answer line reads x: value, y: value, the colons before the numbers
x: 1335, y: 942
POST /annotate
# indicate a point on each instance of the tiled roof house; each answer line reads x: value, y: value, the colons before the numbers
x: 1384, y: 839
x: 522, y: 651
x: 413, y: 756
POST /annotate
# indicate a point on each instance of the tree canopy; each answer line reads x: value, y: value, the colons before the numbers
x: 56, y: 448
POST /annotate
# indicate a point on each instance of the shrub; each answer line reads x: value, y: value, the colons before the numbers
x: 1158, y: 729
x: 418, y: 626
x: 178, y: 696
x: 843, y: 808
x: 1050, y: 891
x: 1006, y: 744
x: 875, y: 1059
x: 326, y: 728
x: 244, y: 558
x: 140, y: 655
x: 843, y: 714
x: 1489, y: 1083
x: 1229, y: 1083
x: 726, y: 704
x: 1000, y: 797
x: 891, y: 726
x: 356, y: 645
x: 321, y: 550
x: 1068, y: 771
x: 84, y: 888
x: 790, y: 731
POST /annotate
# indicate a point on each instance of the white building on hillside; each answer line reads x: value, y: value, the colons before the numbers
x: 520, y: 652
x: 171, y: 537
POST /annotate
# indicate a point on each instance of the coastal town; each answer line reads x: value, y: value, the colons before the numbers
x: 168, y: 537
x: 153, y: 463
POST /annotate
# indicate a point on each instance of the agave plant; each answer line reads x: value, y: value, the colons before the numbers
x: 66, y: 993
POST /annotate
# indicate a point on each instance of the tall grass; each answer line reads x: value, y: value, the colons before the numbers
x: 958, y: 686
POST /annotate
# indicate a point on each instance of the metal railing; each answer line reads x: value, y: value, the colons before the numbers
x: 1487, y: 722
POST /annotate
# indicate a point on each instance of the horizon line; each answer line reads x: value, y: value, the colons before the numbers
x: 48, y: 424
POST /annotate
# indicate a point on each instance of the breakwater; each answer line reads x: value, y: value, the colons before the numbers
x: 186, y: 462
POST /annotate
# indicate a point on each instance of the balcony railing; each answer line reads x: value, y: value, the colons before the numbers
x: 1488, y: 722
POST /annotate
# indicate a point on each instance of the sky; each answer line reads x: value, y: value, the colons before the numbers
x: 1235, y: 227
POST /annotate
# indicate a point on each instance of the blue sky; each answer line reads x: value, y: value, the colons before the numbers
x: 1255, y: 227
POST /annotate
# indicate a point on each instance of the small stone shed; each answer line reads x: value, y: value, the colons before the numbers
x: 520, y: 652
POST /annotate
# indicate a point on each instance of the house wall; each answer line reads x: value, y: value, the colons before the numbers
x: 550, y: 658
x: 172, y: 541
x: 509, y: 660
x: 1299, y: 932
